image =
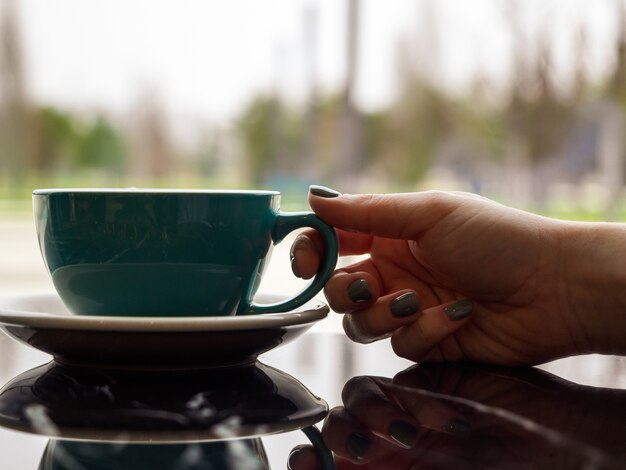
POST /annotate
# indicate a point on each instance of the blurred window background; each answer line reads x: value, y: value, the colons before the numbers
x: 521, y: 101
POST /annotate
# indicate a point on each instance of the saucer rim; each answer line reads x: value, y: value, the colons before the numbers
x: 311, y: 312
x: 79, y: 434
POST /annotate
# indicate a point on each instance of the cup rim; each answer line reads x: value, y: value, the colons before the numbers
x: 133, y: 190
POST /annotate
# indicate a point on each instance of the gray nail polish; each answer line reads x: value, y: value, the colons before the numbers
x: 459, y: 310
x: 323, y: 191
x: 358, y: 445
x: 458, y: 427
x: 359, y: 291
x: 403, y: 433
x: 405, y: 305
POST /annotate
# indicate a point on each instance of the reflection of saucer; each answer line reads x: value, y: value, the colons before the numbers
x: 42, y: 321
x: 167, y: 407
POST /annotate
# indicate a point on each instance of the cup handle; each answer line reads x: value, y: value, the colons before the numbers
x: 285, y: 223
x: 323, y: 452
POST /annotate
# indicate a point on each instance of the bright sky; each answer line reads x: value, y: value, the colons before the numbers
x: 207, y: 57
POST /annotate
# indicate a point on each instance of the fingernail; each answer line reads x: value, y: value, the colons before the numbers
x: 403, y: 433
x: 294, y: 266
x: 292, y: 256
x: 405, y: 305
x: 459, y: 310
x: 322, y: 191
x: 458, y: 427
x: 292, y: 460
x: 358, y: 445
x: 359, y: 291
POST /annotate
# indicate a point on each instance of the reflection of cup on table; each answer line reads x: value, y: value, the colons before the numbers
x: 226, y: 455
x: 167, y: 252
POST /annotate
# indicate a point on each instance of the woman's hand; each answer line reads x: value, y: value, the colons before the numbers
x: 455, y: 276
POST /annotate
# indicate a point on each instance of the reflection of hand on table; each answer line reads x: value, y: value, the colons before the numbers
x: 450, y: 416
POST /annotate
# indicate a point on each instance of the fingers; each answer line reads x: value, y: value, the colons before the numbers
x: 303, y: 457
x: 414, y: 333
x: 416, y: 340
x: 357, y: 218
x: 308, y: 248
x: 386, y: 215
x: 353, y: 288
x: 356, y: 292
x: 371, y: 311
x: 306, y: 253
x: 382, y: 317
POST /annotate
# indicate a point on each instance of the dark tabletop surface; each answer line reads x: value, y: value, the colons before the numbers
x: 386, y: 412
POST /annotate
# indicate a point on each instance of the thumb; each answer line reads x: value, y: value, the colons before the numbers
x: 400, y: 215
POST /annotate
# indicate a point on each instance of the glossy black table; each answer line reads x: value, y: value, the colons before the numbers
x: 385, y: 412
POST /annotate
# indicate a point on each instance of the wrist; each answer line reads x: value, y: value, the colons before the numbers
x: 592, y: 272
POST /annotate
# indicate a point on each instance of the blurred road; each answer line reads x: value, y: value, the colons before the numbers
x: 21, y: 267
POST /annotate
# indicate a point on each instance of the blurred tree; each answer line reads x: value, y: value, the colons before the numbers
x: 349, y: 159
x: 580, y: 85
x: 483, y: 128
x: 15, y: 110
x: 258, y: 127
x: 418, y: 123
x: 326, y: 135
x: 422, y: 116
x: 312, y: 164
x: 617, y: 79
x: 406, y: 136
x: 291, y: 144
x: 479, y: 119
x: 102, y: 148
x: 539, y: 116
x: 536, y: 115
x: 152, y: 149
x: 58, y: 140
x: 373, y: 136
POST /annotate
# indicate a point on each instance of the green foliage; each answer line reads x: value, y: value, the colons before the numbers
x: 415, y: 127
x: 257, y: 127
x: 540, y: 121
x: 483, y: 128
x: 63, y: 143
x: 374, y: 136
x: 101, y: 147
x: 58, y: 138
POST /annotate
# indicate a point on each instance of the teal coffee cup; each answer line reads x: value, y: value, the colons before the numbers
x: 140, y: 252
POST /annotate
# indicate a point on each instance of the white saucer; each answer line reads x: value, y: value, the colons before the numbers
x: 43, y: 322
